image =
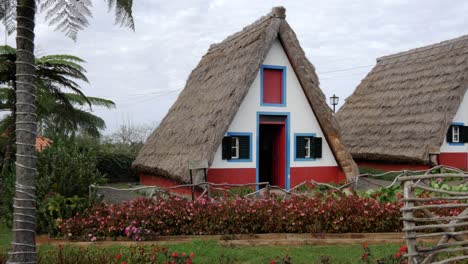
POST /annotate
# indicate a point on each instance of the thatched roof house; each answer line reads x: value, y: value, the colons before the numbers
x: 403, y: 109
x: 198, y: 121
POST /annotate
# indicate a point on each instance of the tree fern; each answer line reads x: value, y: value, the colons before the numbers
x: 72, y: 16
x: 8, y: 15
x: 69, y: 16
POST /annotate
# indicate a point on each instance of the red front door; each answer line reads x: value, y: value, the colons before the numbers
x: 272, y: 155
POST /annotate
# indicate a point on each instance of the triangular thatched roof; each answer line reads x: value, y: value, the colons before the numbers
x: 198, y: 120
x: 406, y: 103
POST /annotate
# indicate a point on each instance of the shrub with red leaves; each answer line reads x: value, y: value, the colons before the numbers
x: 144, y: 219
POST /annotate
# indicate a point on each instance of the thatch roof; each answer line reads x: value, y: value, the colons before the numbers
x: 404, y: 106
x: 198, y: 120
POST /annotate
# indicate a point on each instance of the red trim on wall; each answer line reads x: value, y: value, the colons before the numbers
x: 272, y: 82
x: 456, y: 159
x: 248, y: 175
x: 392, y: 166
x: 324, y: 174
x: 150, y: 180
x: 234, y: 176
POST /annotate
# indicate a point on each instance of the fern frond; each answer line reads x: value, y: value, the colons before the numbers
x: 123, y: 12
x: 8, y: 15
x: 68, y: 16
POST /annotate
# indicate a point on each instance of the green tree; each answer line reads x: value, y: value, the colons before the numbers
x: 69, y: 16
x: 58, y: 112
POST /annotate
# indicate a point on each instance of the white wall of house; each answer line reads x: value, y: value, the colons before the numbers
x: 460, y: 117
x: 302, y: 118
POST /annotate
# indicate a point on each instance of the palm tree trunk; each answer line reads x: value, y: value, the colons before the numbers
x: 24, y: 217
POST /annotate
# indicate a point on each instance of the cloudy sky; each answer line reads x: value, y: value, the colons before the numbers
x: 143, y: 71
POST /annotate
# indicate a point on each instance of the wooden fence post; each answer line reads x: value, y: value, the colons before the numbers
x: 408, y: 223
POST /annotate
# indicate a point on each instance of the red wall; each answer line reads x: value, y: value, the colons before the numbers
x: 242, y: 176
x: 457, y: 160
x: 319, y: 174
x: 150, y: 180
x: 235, y: 176
x: 392, y: 166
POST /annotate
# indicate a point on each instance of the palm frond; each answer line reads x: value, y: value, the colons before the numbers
x: 96, y: 101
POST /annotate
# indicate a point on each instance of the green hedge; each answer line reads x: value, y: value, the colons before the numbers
x: 116, y: 167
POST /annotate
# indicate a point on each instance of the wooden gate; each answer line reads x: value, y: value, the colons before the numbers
x: 435, y: 211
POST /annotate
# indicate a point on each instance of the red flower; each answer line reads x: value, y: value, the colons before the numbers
x: 192, y: 255
x: 175, y: 254
x: 364, y: 245
x: 189, y: 261
x: 123, y: 262
x: 272, y: 262
x: 365, y: 256
x: 118, y: 256
x: 398, y: 255
x: 403, y: 249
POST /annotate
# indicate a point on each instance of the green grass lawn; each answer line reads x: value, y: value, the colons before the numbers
x: 212, y: 252
x: 5, y: 236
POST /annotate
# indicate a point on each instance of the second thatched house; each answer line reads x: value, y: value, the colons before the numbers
x: 252, y: 109
x: 411, y: 110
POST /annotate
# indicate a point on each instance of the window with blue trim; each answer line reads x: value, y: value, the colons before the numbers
x: 273, y: 85
x: 307, y: 147
x: 237, y: 146
x: 457, y: 134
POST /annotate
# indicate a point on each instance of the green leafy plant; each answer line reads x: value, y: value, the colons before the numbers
x: 57, y: 207
x: 65, y: 172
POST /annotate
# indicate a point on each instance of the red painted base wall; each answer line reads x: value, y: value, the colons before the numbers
x: 457, y: 160
x: 242, y: 176
x: 233, y: 176
x: 392, y: 166
x: 150, y: 180
x: 319, y: 174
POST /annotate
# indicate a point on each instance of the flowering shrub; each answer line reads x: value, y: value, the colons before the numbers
x: 143, y: 219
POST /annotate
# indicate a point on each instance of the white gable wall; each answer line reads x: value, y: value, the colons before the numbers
x: 302, y: 118
x: 460, y: 117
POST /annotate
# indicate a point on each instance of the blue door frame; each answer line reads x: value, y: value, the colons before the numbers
x: 288, y: 120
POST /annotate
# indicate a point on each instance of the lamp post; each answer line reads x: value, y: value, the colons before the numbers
x: 334, y: 101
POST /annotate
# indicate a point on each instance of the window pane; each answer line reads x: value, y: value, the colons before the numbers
x: 235, y: 148
x: 456, y: 134
x: 307, y: 147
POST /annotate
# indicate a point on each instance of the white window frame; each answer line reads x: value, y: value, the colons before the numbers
x: 307, y: 147
x: 235, y: 145
x: 456, y: 134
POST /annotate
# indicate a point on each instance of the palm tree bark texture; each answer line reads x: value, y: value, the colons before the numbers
x: 24, y: 217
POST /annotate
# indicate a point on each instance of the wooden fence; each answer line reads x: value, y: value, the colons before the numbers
x: 439, y: 213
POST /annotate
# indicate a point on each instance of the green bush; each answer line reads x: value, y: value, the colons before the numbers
x: 8, y: 191
x: 116, y: 166
x: 65, y: 171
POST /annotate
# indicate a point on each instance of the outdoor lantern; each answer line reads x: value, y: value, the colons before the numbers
x: 334, y: 101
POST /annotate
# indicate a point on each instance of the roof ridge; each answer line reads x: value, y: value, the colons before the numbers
x: 424, y: 48
x: 276, y: 12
